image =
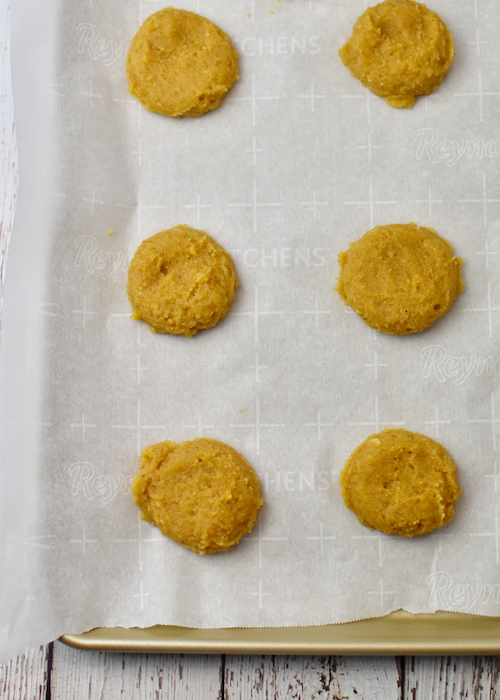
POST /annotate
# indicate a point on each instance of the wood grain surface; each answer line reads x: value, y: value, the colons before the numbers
x: 59, y: 672
x: 311, y: 677
x: 55, y: 671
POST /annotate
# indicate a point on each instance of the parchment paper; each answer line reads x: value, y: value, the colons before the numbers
x: 299, y: 161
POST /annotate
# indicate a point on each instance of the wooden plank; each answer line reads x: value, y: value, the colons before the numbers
x: 91, y: 675
x: 25, y: 678
x: 452, y: 678
x: 318, y: 677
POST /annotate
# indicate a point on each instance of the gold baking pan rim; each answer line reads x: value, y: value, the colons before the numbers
x: 397, y: 634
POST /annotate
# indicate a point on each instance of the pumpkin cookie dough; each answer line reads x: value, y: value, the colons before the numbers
x: 202, y: 494
x: 400, y: 483
x: 399, y: 49
x: 180, y: 64
x: 400, y: 278
x: 181, y: 281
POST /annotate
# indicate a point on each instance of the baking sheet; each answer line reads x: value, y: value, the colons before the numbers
x: 398, y: 633
x: 298, y: 161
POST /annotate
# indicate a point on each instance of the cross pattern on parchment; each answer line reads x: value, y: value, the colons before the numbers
x: 198, y: 206
x: 257, y: 367
x: 495, y: 476
x: 367, y: 96
x: 84, y: 540
x: 258, y: 426
x: 254, y: 150
x: 492, y: 420
x: 36, y: 541
x: 477, y: 43
x: 139, y: 153
x: 93, y: 201
x: 139, y: 208
x: 261, y: 540
x: 316, y: 312
x: 373, y: 535
x: 138, y: 369
x: 138, y: 325
x: 84, y: 312
x: 312, y: 96
x: 140, y: 540
x: 255, y: 205
x: 254, y: 98
x: 257, y: 313
x: 487, y: 253
x: 260, y: 595
x: 141, y: 595
x: 200, y: 426
x: 319, y: 425
x: 489, y: 309
x: 371, y: 203
x: 376, y: 423
x: 314, y: 204
x: 139, y: 427
x: 83, y: 425
x: 430, y: 201
x: 480, y: 94
x: 484, y: 201
x: 439, y: 547
x: 381, y: 592
x: 134, y: 103
x: 45, y: 306
x: 376, y: 364
x: 321, y: 538
x: 370, y: 147
x: 436, y: 422
x: 495, y: 532
x: 90, y: 94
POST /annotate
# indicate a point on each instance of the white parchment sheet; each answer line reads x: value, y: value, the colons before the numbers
x: 299, y: 161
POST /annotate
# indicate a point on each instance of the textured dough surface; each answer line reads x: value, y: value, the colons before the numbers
x: 400, y: 483
x: 400, y: 278
x: 180, y: 64
x: 399, y: 49
x: 181, y: 281
x: 202, y: 494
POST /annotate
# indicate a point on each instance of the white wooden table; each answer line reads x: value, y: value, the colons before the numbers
x: 57, y: 671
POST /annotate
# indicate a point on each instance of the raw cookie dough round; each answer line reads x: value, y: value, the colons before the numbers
x: 181, y: 281
x: 400, y: 483
x: 180, y: 64
x: 400, y: 278
x: 202, y: 494
x: 399, y: 49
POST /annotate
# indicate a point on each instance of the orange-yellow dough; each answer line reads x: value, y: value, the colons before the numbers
x: 181, y: 281
x: 180, y: 64
x: 202, y: 494
x: 400, y: 483
x: 400, y: 278
x: 399, y: 49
